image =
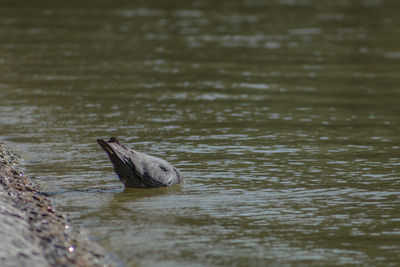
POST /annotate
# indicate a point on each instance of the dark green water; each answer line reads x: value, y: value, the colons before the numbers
x: 283, y: 115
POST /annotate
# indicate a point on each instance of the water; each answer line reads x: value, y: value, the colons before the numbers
x: 283, y: 116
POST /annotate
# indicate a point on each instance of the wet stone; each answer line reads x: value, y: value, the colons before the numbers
x: 32, y: 232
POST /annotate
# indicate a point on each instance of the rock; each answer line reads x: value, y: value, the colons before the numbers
x: 32, y: 232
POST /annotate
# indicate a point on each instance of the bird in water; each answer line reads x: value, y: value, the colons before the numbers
x: 136, y: 169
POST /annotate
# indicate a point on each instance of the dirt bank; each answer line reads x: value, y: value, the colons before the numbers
x: 32, y: 232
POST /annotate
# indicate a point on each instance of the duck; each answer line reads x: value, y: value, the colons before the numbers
x: 139, y: 170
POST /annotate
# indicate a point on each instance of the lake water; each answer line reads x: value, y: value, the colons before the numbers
x: 283, y: 115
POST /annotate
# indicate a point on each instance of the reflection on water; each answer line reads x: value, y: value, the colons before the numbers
x: 282, y: 115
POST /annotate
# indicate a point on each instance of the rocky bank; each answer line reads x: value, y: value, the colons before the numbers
x: 32, y: 232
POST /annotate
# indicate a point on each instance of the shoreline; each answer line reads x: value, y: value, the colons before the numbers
x: 32, y: 232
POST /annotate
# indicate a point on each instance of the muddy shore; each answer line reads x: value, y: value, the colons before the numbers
x: 32, y: 232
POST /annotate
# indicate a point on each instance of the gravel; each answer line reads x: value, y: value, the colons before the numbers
x: 32, y: 232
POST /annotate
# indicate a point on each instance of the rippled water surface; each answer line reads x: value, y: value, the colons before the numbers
x: 283, y: 115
